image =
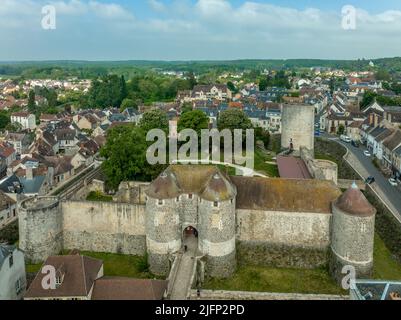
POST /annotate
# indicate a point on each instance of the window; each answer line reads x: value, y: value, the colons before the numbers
x: 11, y: 260
x: 18, y: 286
x: 14, y: 213
x: 177, y: 199
x: 216, y: 204
x: 160, y: 202
x: 190, y: 196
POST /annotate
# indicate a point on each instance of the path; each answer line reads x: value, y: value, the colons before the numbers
x: 183, y: 279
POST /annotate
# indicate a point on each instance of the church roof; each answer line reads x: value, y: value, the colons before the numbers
x: 355, y: 203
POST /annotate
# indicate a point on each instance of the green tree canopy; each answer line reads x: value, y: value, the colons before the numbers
x: 31, y: 102
x: 195, y: 120
x: 128, y: 103
x: 233, y: 119
x: 4, y: 120
x: 154, y: 119
x: 125, y: 154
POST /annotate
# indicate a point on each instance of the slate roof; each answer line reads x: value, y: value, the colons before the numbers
x: 129, y: 289
x: 32, y: 186
x: 5, y: 251
x: 80, y: 273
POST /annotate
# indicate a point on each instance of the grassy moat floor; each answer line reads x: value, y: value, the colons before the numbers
x: 255, y: 278
x: 315, y: 281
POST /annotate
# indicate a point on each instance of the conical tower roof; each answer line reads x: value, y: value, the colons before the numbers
x: 218, y: 188
x: 165, y: 186
x: 354, y: 202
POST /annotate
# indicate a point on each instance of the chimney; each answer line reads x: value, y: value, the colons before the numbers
x: 29, y: 174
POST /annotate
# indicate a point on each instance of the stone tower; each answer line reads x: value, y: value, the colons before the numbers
x: 352, y: 237
x: 40, y: 228
x: 196, y: 197
x: 217, y: 226
x: 163, y: 227
x: 298, y: 126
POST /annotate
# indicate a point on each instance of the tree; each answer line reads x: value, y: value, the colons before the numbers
x: 262, y: 135
x: 191, y: 80
x: 186, y: 107
x: 368, y: 98
x: 232, y: 87
x: 128, y: 103
x: 195, y: 120
x: 154, y: 119
x: 125, y: 154
x: 341, y: 129
x: 383, y: 75
x: 233, y: 119
x: 4, y: 120
x: 31, y: 102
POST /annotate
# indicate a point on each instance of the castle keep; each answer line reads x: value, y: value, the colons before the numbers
x: 281, y: 222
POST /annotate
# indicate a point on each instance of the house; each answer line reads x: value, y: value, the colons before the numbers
x: 66, y: 139
x: 20, y: 141
x: 12, y: 273
x: 353, y: 130
x: 397, y: 162
x: 75, y: 277
x: 389, y: 145
x: 25, y: 119
x: 7, y: 152
x: 132, y: 115
x: 8, y: 211
x: 217, y: 91
x: 79, y: 277
x: 110, y: 288
x: 48, y: 118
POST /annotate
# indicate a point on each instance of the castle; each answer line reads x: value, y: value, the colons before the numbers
x: 281, y: 222
x: 251, y: 220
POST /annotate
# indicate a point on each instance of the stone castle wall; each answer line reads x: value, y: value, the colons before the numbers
x: 104, y: 227
x: 283, y: 239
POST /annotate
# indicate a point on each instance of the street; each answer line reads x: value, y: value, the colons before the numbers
x: 389, y: 194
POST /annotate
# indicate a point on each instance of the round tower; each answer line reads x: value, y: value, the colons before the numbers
x: 298, y: 126
x: 163, y: 234
x: 352, y: 238
x: 217, y: 226
x: 40, y: 228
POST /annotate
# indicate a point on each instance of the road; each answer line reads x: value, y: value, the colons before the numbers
x: 389, y: 194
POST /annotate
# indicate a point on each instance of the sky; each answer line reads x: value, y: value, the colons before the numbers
x: 199, y: 29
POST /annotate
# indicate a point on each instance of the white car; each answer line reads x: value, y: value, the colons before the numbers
x: 393, y: 182
x: 367, y: 153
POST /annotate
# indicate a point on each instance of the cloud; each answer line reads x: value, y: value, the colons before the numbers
x: 205, y: 29
x: 157, y: 5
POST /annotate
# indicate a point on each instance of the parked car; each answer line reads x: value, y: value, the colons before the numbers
x: 370, y: 180
x: 367, y: 153
x: 345, y: 138
x: 355, y: 144
x: 393, y: 182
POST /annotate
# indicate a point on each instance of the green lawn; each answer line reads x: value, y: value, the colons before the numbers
x: 261, y: 165
x: 281, y: 280
x: 116, y: 265
x: 386, y: 267
x: 98, y: 196
x: 315, y: 281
